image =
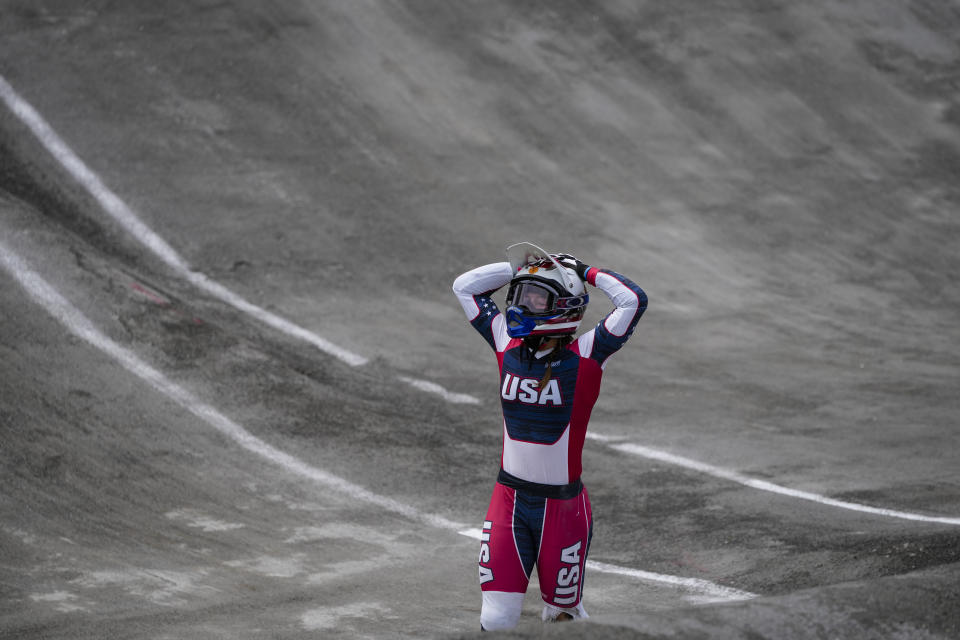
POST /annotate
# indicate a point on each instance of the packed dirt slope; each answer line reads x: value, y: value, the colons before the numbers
x: 780, y: 177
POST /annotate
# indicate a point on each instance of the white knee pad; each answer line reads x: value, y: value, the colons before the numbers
x: 501, y: 610
x: 551, y: 612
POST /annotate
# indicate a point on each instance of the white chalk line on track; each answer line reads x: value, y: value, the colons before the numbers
x: 430, y: 387
x: 117, y: 209
x: 122, y: 213
x: 763, y: 485
x: 78, y: 324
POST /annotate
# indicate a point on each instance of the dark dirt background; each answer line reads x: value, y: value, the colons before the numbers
x: 780, y: 177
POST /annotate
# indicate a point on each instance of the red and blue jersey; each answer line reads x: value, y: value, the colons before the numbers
x: 544, y: 429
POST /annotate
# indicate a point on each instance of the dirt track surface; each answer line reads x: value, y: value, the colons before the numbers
x: 781, y: 178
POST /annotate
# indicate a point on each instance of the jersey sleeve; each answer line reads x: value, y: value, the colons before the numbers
x: 630, y: 301
x: 474, y: 290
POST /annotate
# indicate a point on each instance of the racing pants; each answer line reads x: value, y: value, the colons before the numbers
x: 529, y: 525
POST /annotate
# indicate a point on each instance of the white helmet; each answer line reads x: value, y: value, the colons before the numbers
x: 545, y: 298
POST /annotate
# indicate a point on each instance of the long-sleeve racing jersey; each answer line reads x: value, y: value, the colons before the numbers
x: 544, y: 429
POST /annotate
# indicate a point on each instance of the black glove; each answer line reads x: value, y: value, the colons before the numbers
x: 569, y: 261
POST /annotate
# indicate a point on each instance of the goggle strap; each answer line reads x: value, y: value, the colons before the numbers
x: 573, y: 302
